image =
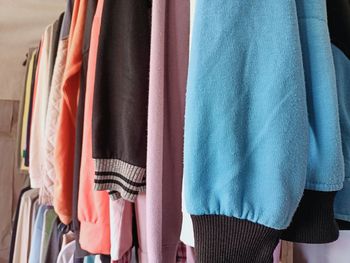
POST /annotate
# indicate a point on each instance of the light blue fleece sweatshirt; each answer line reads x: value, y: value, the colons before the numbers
x: 261, y: 121
x: 342, y: 66
x: 326, y: 164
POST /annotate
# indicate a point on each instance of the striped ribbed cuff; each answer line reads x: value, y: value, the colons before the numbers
x: 228, y: 239
x: 313, y: 222
x: 121, y: 179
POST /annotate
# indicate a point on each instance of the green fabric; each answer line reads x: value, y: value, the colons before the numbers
x: 49, y: 219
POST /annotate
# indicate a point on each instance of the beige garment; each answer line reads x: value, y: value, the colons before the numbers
x: 37, y: 151
x: 24, y: 226
x: 53, y: 111
x: 10, y: 182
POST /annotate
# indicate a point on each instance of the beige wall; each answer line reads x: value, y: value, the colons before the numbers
x: 22, y: 23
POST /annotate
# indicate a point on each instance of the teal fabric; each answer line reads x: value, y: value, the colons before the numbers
x: 326, y: 164
x: 261, y: 121
x: 342, y: 66
x: 89, y: 259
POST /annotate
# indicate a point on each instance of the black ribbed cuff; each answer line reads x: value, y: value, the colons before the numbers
x: 220, y: 239
x: 313, y: 222
x: 343, y: 225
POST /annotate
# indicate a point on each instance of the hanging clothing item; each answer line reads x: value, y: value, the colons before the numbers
x: 67, y: 253
x: 120, y: 99
x: 120, y: 212
x: 36, y: 244
x: 190, y: 256
x: 48, y: 228
x: 240, y: 136
x: 339, y: 26
x: 55, y: 100
x: 41, y: 96
x: 31, y: 106
x: 325, y: 161
x: 90, y: 13
x: 93, y: 206
x: 46, y: 190
x: 89, y: 259
x: 56, y: 241
x: 306, y: 223
x: 141, y: 228
x: 26, y: 106
x: 24, y: 229
x: 64, y: 151
x: 168, y: 73
x: 15, y: 223
x: 126, y: 258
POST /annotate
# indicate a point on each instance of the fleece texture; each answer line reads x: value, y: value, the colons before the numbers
x: 261, y: 121
x: 342, y: 66
x: 326, y: 164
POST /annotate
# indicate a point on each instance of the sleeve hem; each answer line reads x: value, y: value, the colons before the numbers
x: 232, y: 240
x: 121, y: 179
x: 313, y: 222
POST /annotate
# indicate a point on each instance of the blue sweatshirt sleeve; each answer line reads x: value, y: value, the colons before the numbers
x: 263, y: 148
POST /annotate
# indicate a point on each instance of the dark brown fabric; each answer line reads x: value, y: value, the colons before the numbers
x: 121, y: 84
x: 313, y: 222
x: 222, y: 239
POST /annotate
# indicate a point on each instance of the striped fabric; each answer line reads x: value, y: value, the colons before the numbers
x: 121, y: 179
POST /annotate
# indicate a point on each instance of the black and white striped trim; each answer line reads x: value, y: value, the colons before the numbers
x: 121, y: 179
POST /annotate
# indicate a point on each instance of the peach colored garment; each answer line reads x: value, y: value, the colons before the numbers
x: 64, y: 152
x: 93, y: 206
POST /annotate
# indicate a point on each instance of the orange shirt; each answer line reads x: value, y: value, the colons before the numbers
x: 64, y: 152
x: 93, y: 206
